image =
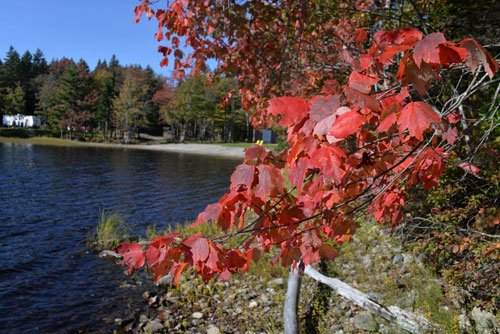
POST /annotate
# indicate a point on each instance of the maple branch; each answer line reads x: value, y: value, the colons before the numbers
x: 351, y: 199
x: 255, y: 221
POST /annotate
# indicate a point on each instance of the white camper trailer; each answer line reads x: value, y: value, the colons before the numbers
x: 21, y: 121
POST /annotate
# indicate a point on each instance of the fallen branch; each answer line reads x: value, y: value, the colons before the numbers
x: 410, y: 322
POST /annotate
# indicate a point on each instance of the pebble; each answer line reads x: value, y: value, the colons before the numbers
x: 108, y: 253
x: 153, y: 326
x: 276, y: 282
x: 212, y: 329
x: 397, y: 259
x: 197, y: 315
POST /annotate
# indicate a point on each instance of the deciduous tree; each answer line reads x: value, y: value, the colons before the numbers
x: 357, y: 143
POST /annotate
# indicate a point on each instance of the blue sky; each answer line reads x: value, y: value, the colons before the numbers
x: 87, y: 29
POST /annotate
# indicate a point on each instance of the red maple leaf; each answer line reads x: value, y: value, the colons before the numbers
x: 211, y: 212
x: 323, y: 107
x: 198, y: 246
x: 347, y: 124
x: 478, y: 55
x: 243, y: 175
x: 417, y: 117
x: 360, y: 36
x: 425, y: 50
x: 133, y: 256
x: 291, y: 109
x: 470, y: 168
x: 269, y: 177
x: 362, y: 83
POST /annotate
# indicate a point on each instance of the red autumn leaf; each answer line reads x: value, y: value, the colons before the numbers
x: 324, y: 125
x: 255, y: 152
x: 297, y: 174
x: 329, y: 160
x: 322, y: 107
x: 211, y: 213
x: 387, y: 122
x: 362, y: 83
x: 420, y: 77
x: 470, y: 168
x: 198, y: 247
x: 291, y: 109
x: 361, y: 100
x: 133, y: 256
x: 451, y: 135
x: 177, y: 271
x: 405, y: 36
x: 214, y: 259
x: 390, y: 108
x: 454, y: 117
x: 347, y: 124
x: 354, y: 63
x: 451, y: 54
x: 243, y: 175
x: 417, y: 117
x: 164, y: 62
x: 478, y: 55
x: 269, y: 177
x: 427, y: 49
x: 331, y: 87
x: 390, y: 52
x: 310, y: 245
x: 234, y: 260
x: 360, y: 36
x: 158, y: 248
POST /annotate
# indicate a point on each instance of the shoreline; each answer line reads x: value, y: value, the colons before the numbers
x: 198, y: 149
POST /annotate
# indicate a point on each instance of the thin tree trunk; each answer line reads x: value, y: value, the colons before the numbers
x: 290, y: 310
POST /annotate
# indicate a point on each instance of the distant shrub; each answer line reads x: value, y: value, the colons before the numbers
x: 14, y: 132
x: 46, y: 133
x: 28, y: 133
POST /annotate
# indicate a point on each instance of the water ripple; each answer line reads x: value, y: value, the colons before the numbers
x: 50, y: 198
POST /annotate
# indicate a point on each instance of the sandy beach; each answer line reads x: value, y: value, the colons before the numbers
x: 202, y: 149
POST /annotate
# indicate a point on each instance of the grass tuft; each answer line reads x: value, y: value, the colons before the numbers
x: 110, y: 232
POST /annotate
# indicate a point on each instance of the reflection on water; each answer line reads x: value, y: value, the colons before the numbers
x: 49, y: 201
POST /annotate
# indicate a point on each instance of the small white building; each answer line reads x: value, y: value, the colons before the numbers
x: 21, y: 121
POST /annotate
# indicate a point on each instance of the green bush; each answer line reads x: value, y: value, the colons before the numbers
x: 47, y: 133
x: 28, y: 133
x: 14, y: 132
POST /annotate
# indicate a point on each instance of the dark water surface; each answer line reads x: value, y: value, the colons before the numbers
x: 49, y: 201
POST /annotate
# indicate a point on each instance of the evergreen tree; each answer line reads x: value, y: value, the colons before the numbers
x: 14, y: 100
x: 10, y: 69
x: 39, y: 65
x: 49, y: 86
x: 77, y: 97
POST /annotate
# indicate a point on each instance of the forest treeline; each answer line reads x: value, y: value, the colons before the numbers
x: 117, y: 102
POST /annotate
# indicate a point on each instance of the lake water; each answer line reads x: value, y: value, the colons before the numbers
x: 50, y: 199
